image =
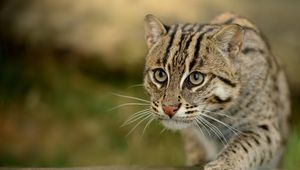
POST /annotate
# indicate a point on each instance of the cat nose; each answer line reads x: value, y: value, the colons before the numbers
x: 170, y: 110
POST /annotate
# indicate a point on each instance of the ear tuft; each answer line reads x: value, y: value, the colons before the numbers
x: 229, y: 39
x: 154, y: 30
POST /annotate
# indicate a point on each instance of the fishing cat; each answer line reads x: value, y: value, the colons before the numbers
x: 222, y: 87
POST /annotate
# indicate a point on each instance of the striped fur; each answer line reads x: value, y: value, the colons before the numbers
x: 233, y: 117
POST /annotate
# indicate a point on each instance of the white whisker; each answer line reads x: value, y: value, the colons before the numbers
x: 221, y: 114
x: 148, y: 124
x: 196, y: 123
x: 204, y: 125
x: 149, y: 115
x: 226, y: 125
x: 131, y: 97
x: 138, y: 112
x: 128, y: 104
x: 208, y: 126
x: 163, y: 130
x: 216, y: 130
x: 136, y: 85
x: 135, y: 118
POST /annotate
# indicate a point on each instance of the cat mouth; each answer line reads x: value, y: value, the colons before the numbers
x: 175, y: 124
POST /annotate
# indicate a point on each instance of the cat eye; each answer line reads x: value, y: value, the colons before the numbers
x: 160, y: 75
x: 196, y: 78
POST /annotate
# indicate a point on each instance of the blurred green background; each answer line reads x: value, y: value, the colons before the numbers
x: 60, y: 62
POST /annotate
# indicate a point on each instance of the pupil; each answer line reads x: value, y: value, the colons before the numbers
x: 196, y: 76
x: 161, y: 74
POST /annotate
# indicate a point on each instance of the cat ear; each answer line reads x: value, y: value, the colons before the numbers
x: 154, y: 30
x: 229, y: 39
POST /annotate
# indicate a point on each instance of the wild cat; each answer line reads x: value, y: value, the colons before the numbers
x: 222, y: 87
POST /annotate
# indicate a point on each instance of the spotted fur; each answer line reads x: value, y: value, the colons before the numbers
x: 236, y: 119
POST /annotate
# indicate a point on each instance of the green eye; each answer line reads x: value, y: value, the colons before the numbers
x: 160, y: 75
x: 196, y: 78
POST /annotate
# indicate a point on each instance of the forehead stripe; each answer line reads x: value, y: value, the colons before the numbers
x: 179, y: 43
x: 196, y: 37
x: 191, y: 36
x: 166, y: 55
x: 198, y: 45
x: 189, y: 41
x: 192, y: 64
x: 186, y: 40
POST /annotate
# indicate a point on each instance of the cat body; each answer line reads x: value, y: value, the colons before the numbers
x: 221, y: 86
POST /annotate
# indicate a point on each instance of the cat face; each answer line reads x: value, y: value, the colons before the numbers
x: 190, y: 70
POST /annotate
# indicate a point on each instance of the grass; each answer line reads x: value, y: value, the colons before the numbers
x: 61, y: 117
x: 292, y: 157
x: 57, y: 116
x: 53, y: 114
x: 54, y: 109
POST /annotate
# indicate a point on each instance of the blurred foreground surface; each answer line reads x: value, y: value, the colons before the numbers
x: 112, y: 168
x: 60, y: 62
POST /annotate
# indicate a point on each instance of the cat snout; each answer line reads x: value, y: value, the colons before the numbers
x: 170, y: 110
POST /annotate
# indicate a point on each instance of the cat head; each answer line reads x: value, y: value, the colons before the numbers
x: 191, y: 70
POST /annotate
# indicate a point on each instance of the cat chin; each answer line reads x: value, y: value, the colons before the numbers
x: 175, y: 125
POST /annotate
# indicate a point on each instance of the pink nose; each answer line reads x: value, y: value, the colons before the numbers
x: 170, y: 110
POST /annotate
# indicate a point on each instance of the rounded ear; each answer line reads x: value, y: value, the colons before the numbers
x: 229, y: 39
x: 154, y: 30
